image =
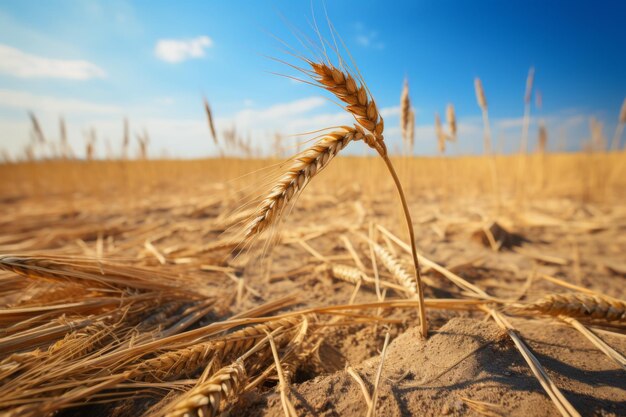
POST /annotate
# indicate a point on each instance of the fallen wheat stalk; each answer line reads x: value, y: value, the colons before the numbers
x: 577, y: 305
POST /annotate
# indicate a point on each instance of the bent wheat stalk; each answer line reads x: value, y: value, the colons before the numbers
x: 364, y: 110
x: 369, y: 128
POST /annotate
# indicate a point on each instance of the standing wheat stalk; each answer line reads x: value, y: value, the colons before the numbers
x: 542, y: 138
x: 619, y: 128
x: 451, y: 119
x: 407, y: 119
x: 482, y: 103
x: 209, y: 116
x: 526, y: 123
x: 487, y: 148
x: 125, y: 139
x: 441, y: 136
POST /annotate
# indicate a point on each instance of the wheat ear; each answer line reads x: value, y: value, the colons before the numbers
x: 579, y: 306
x: 209, y: 398
x: 356, y: 276
x: 359, y: 103
x: 302, y: 169
x: 209, y: 116
x: 396, y: 268
x: 526, y: 122
x: 405, y: 116
x: 482, y: 103
x: 451, y: 119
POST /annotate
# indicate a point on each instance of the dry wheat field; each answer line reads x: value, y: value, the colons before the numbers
x: 387, y: 285
x: 122, y: 293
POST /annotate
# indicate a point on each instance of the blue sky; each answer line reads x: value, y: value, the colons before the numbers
x: 95, y: 62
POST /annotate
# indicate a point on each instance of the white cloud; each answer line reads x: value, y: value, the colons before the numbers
x: 27, y: 101
x: 390, y: 111
x: 24, y: 65
x: 278, y: 113
x: 178, y: 50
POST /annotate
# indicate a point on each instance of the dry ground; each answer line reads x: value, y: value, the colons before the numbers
x: 169, y: 219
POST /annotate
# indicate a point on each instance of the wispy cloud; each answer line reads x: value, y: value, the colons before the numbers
x: 279, y: 112
x: 27, y: 101
x: 367, y: 38
x: 289, y: 118
x: 24, y: 65
x: 178, y: 50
